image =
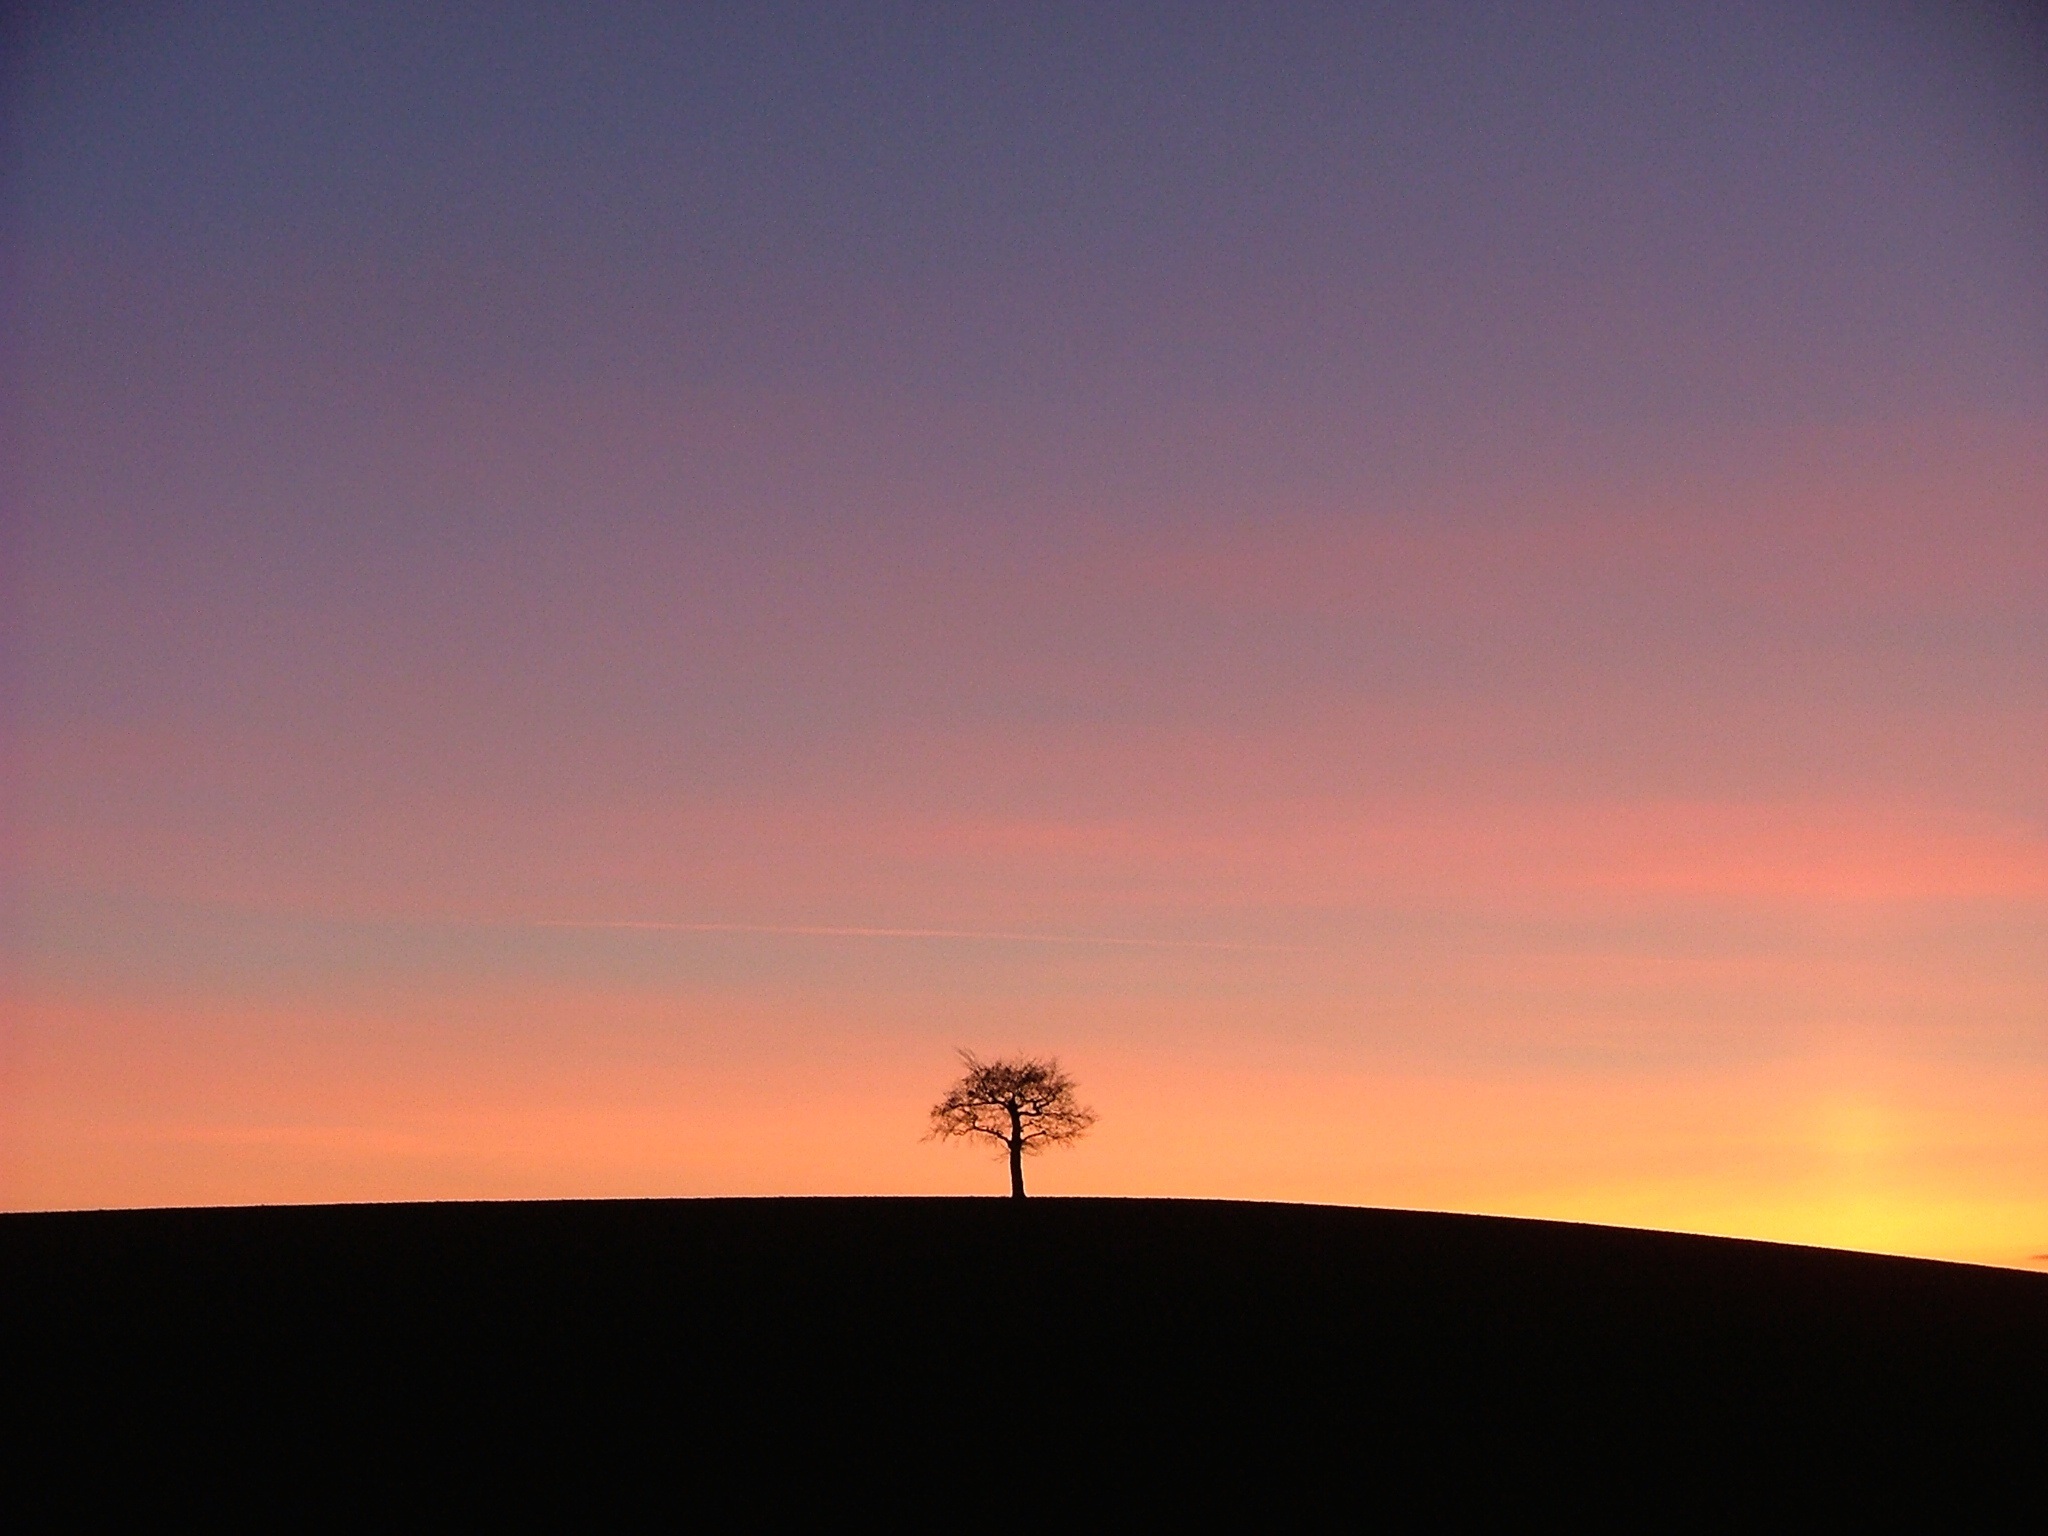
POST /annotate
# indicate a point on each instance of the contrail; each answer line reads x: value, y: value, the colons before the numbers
x: 805, y: 930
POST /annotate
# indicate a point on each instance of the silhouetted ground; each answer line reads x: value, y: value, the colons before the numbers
x: 805, y: 1350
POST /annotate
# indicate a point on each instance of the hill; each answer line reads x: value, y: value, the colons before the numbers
x: 1214, y: 1348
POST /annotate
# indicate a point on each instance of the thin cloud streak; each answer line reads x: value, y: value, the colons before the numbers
x: 797, y: 930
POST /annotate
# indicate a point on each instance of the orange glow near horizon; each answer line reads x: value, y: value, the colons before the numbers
x: 648, y: 1097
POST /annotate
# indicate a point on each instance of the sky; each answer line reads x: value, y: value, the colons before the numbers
x: 1449, y: 603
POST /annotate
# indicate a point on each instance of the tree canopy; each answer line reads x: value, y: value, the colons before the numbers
x: 1024, y: 1105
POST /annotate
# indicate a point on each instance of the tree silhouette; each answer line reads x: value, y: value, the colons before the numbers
x: 1026, y: 1105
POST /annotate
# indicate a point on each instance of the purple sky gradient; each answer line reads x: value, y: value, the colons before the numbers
x: 1508, y: 545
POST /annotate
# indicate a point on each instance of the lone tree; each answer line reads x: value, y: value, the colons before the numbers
x: 1026, y: 1105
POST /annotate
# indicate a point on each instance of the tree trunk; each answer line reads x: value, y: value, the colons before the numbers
x: 1016, y: 1155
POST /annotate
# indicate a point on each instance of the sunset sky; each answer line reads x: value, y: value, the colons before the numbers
x: 1448, y: 602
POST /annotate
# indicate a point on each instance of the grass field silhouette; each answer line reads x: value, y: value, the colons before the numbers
x: 1192, y: 1344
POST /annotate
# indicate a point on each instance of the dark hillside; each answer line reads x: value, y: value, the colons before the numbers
x: 1212, y: 1344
